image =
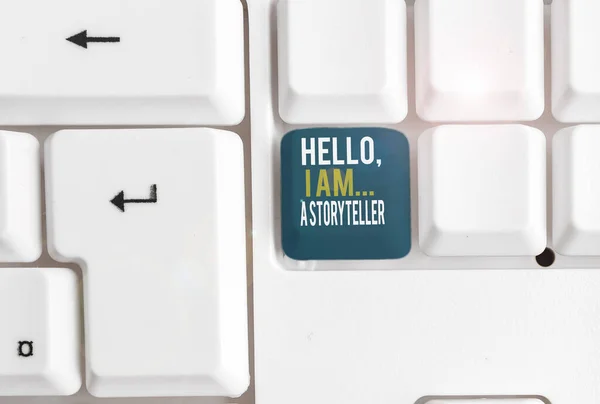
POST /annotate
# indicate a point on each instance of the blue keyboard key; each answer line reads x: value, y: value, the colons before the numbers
x: 345, y: 194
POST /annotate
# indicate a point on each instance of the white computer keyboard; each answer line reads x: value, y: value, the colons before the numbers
x: 410, y: 215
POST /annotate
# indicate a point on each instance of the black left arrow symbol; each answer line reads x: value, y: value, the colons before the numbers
x: 119, y: 200
x: 82, y: 39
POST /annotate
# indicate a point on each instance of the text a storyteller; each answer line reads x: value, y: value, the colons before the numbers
x: 355, y: 212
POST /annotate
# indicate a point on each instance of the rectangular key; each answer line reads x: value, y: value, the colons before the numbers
x: 39, y: 332
x: 156, y: 219
x: 20, y: 198
x: 575, y: 60
x: 482, y: 190
x: 342, y: 61
x: 485, y: 401
x: 576, y: 191
x: 479, y: 60
x: 122, y: 62
x: 345, y: 194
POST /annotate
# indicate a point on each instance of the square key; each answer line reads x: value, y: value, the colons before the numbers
x: 576, y: 191
x: 575, y: 60
x: 482, y: 191
x: 342, y: 61
x: 479, y: 60
x: 345, y: 194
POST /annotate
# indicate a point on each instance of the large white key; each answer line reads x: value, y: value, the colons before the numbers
x: 576, y: 190
x: 20, y: 198
x: 342, y: 61
x: 479, y: 60
x: 39, y: 332
x: 575, y: 60
x: 482, y: 191
x: 122, y: 62
x: 156, y: 220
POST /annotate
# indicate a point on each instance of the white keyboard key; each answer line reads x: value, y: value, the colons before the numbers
x: 485, y: 401
x: 20, y: 198
x: 39, y: 334
x: 482, y: 191
x: 342, y: 61
x: 479, y: 60
x: 156, y: 218
x: 143, y: 62
x: 575, y: 60
x: 576, y: 190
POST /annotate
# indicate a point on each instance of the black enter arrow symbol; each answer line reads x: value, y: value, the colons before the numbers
x: 119, y: 201
x: 82, y: 39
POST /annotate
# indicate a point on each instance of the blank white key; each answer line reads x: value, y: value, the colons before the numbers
x: 39, y: 334
x: 486, y: 401
x: 479, y: 60
x: 143, y: 62
x: 576, y: 190
x: 342, y: 61
x: 482, y: 191
x: 156, y: 219
x: 575, y: 60
x: 20, y: 210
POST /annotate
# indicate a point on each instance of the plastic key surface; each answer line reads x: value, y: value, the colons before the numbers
x: 342, y: 61
x: 485, y: 401
x: 345, y: 194
x: 576, y: 190
x: 39, y: 334
x: 479, y: 60
x: 20, y: 198
x: 575, y: 60
x: 122, y: 62
x: 156, y: 220
x: 482, y: 190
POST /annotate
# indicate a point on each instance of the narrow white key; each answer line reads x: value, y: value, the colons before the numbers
x: 575, y: 60
x: 156, y: 219
x: 122, y: 62
x: 342, y: 61
x: 20, y: 199
x: 482, y: 191
x: 479, y: 60
x: 39, y: 332
x: 486, y: 401
x: 576, y: 190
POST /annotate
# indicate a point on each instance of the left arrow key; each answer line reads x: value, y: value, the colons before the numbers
x: 99, y: 63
